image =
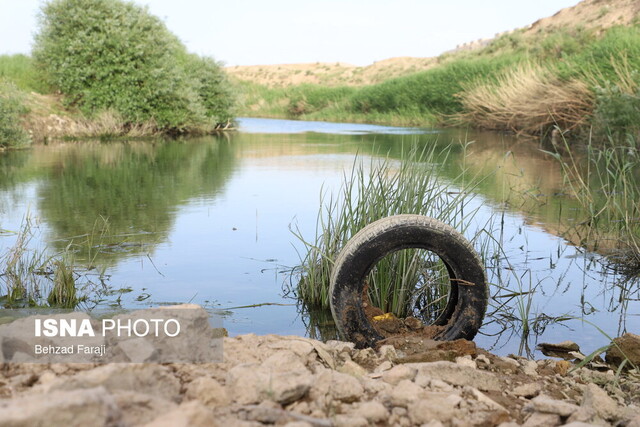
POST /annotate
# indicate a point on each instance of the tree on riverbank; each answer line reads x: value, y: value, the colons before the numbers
x: 110, y: 55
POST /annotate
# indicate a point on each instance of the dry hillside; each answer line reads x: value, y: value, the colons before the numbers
x: 590, y: 14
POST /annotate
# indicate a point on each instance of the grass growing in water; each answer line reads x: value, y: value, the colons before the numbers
x: 406, y: 282
x: 607, y: 186
x: 34, y: 277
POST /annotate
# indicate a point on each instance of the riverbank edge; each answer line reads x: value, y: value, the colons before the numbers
x: 48, y: 120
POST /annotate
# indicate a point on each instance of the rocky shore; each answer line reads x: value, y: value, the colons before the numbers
x: 295, y: 381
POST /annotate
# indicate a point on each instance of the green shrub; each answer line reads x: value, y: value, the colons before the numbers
x: 213, y: 88
x: 11, y: 108
x: 110, y: 54
x: 618, y: 110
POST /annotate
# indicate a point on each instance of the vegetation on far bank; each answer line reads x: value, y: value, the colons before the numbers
x: 572, y: 78
x: 111, y: 58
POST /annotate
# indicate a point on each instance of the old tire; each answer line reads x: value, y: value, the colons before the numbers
x: 468, y: 294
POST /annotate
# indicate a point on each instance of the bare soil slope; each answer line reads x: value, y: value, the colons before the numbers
x: 590, y: 14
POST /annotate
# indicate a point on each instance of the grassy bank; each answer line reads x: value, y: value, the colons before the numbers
x: 575, y: 79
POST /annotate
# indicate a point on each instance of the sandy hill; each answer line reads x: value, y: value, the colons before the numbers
x: 590, y: 14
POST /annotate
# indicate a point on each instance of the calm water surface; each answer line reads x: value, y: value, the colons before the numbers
x: 208, y: 221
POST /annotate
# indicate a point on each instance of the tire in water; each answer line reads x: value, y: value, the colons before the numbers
x: 468, y: 292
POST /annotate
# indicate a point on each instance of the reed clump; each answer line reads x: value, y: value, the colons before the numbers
x: 404, y: 282
x: 606, y: 183
x: 34, y: 276
x: 110, y: 124
x: 529, y: 99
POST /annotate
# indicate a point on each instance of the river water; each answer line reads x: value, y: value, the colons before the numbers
x: 208, y: 220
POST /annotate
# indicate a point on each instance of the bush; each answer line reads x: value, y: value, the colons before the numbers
x: 618, y: 107
x: 11, y: 108
x: 213, y: 88
x: 110, y: 54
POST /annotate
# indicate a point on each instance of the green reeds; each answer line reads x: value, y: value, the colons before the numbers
x: 406, y: 282
x: 32, y: 276
x: 606, y: 183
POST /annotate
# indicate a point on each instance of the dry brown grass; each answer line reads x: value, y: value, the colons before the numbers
x: 109, y: 123
x: 529, y: 99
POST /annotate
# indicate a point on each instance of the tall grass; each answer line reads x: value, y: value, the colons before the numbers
x: 431, y: 91
x: 407, y: 281
x: 606, y: 183
x: 33, y: 276
x: 12, y: 108
x: 528, y: 99
x: 20, y: 70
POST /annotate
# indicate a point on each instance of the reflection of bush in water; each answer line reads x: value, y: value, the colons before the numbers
x: 136, y: 187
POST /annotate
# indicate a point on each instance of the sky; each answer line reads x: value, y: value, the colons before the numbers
x: 359, y: 32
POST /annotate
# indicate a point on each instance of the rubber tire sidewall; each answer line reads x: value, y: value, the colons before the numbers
x: 380, y: 238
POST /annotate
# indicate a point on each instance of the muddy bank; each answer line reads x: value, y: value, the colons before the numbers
x: 286, y: 380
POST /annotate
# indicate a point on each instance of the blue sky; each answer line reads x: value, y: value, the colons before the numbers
x: 248, y: 32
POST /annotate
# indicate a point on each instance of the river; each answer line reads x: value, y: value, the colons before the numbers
x: 208, y: 220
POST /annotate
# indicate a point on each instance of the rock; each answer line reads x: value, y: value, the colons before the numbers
x: 466, y: 361
x: 635, y: 422
x: 208, y: 391
x: 334, y: 385
x: 527, y: 390
x: 153, y: 379
x: 481, y: 397
x: 366, y: 358
x: 399, y: 373
x: 459, y: 375
x: 434, y: 406
x: 388, y: 352
x: 266, y: 412
x: 340, y: 346
x: 540, y: 419
x: 189, y: 414
x: 384, y: 366
x: 297, y: 345
x: 405, y: 393
x: 140, y: 408
x: 374, y: 412
x: 561, y: 350
x: 598, y: 399
x: 562, y: 367
x: 548, y: 405
x: 626, y: 346
x: 433, y: 383
x: 94, y: 406
x: 285, y: 360
x: 252, y: 383
x: 529, y: 367
x: 352, y: 368
x: 350, y: 421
